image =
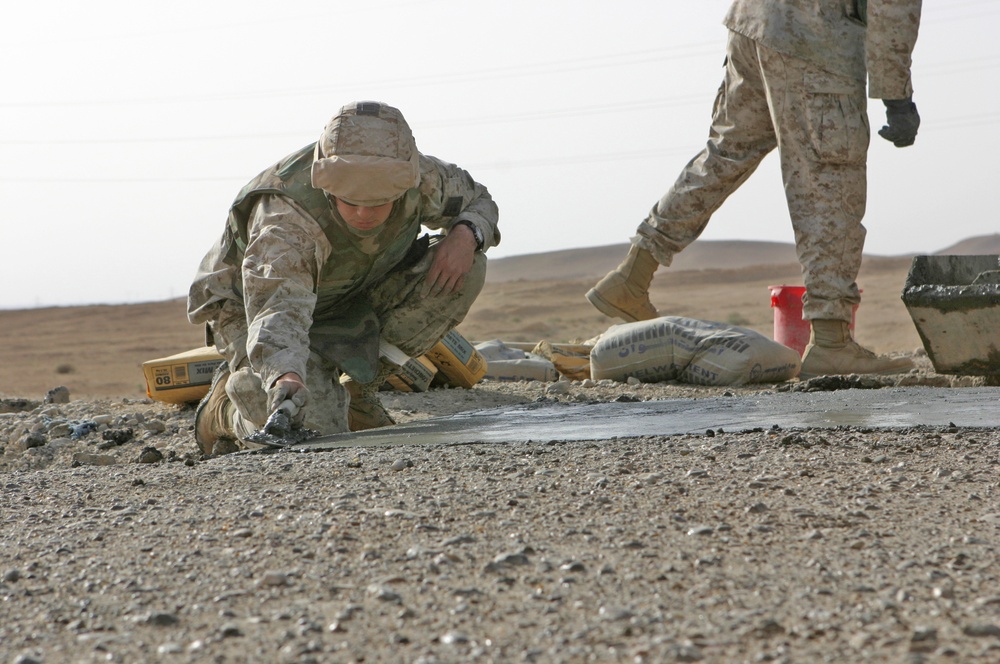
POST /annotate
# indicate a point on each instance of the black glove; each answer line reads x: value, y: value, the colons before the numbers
x: 902, y: 122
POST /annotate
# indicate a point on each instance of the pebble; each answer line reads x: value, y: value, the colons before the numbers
x: 401, y: 464
x: 562, y: 529
x: 161, y: 619
x: 87, y: 459
x: 454, y: 638
x: 982, y: 630
x: 559, y: 387
x: 149, y: 455
x: 57, y: 395
x: 274, y: 579
x: 384, y: 593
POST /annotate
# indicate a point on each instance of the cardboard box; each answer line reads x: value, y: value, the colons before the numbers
x: 415, y: 375
x: 182, y: 378
x: 457, y: 360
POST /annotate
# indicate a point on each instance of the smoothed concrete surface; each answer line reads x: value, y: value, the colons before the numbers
x: 542, y: 422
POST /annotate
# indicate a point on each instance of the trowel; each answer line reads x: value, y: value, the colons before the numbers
x: 280, y: 430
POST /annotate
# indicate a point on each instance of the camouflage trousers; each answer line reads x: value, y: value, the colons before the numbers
x: 412, y: 323
x: 819, y: 123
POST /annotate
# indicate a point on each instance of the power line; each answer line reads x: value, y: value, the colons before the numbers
x: 980, y: 119
x: 580, y: 111
x: 644, y: 56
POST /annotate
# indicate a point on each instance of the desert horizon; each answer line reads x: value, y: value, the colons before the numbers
x: 97, y: 350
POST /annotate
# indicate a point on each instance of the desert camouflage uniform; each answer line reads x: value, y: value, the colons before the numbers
x: 795, y: 80
x: 290, y: 288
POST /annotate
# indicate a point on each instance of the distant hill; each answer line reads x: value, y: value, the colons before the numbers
x: 981, y: 245
x: 595, y: 262
x: 98, y: 350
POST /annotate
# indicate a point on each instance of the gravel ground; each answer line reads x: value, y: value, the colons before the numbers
x: 120, y: 543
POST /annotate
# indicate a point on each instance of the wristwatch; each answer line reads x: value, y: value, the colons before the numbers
x: 476, y: 233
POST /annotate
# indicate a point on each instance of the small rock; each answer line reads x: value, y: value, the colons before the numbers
x: 229, y: 631
x: 923, y: 640
x: 12, y: 575
x: 384, y: 594
x: 274, y: 579
x: 982, y: 630
x: 454, y: 638
x: 57, y: 395
x: 614, y: 615
x: 26, y: 659
x: 401, y: 464
x: 32, y: 439
x: 60, y: 429
x: 87, y: 459
x: 161, y: 619
x: 559, y: 387
x: 511, y: 559
x: 155, y: 426
x: 149, y: 455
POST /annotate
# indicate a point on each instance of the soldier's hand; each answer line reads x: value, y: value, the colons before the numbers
x: 902, y: 122
x: 451, y: 263
x: 288, y: 387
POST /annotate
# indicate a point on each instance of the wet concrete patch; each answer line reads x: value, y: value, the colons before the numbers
x: 542, y: 422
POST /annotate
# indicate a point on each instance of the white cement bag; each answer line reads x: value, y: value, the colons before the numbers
x: 691, y: 351
x: 506, y: 363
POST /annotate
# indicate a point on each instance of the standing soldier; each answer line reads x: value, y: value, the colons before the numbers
x: 319, y: 261
x: 795, y: 79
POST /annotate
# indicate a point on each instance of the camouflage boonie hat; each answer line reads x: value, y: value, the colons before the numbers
x: 366, y: 155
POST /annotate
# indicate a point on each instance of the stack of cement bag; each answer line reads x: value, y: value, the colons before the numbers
x: 505, y: 361
x: 692, y: 351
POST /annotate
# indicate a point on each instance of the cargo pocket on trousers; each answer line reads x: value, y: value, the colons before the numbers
x: 837, y: 122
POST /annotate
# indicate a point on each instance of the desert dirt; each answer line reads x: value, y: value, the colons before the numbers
x: 121, y: 543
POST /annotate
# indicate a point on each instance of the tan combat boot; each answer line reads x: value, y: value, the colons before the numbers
x: 366, y: 410
x: 832, y: 352
x: 213, y: 420
x: 624, y: 292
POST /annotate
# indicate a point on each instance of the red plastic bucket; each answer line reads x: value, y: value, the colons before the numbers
x: 789, y: 328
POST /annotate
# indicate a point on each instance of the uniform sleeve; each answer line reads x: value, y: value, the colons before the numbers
x: 450, y: 195
x: 891, y: 36
x: 285, y: 252
x: 215, y: 298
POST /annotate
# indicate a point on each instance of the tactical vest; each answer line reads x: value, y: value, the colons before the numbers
x: 356, y: 263
x: 345, y: 329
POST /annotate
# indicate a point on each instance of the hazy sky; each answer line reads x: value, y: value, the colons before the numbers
x: 127, y: 128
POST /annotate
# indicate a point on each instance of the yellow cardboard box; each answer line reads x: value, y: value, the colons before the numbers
x: 181, y: 378
x: 415, y: 375
x: 457, y: 359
